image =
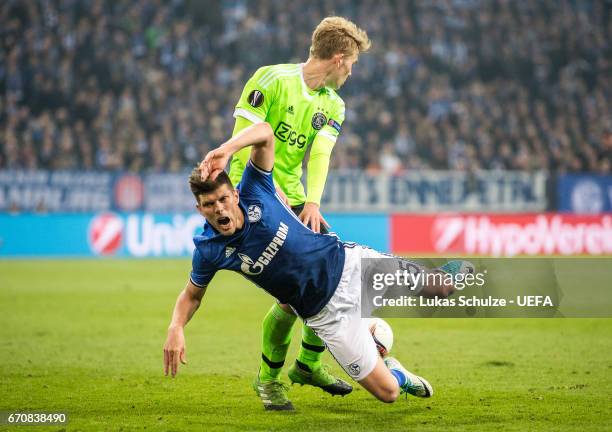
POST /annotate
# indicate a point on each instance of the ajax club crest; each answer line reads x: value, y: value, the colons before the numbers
x: 318, y: 120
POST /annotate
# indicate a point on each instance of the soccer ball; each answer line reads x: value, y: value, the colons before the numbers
x: 382, y: 334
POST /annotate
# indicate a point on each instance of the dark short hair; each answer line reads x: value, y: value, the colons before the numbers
x: 199, y: 187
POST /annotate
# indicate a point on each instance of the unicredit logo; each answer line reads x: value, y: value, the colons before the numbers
x: 143, y: 235
x: 106, y: 234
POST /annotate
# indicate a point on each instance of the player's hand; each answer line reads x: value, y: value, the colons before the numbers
x: 443, y: 289
x: 282, y: 195
x: 214, y: 162
x: 311, y: 215
x: 174, y: 350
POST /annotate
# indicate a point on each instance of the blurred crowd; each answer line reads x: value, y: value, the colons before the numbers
x: 448, y: 84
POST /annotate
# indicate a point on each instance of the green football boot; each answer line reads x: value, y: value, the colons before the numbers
x: 319, y: 378
x: 273, y: 394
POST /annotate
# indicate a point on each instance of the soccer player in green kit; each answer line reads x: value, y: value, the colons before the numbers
x: 300, y: 102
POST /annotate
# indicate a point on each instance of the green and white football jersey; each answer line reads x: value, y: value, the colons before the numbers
x: 278, y: 95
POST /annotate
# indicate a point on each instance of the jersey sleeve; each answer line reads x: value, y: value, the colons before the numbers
x: 333, y: 127
x: 202, y: 271
x: 318, y: 166
x: 256, y: 181
x: 257, y: 97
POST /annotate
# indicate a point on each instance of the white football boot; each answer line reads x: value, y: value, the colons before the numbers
x: 414, y: 385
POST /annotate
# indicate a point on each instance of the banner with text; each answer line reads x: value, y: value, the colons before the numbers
x: 139, y: 234
x: 502, y: 234
x: 346, y: 191
x: 422, y: 191
x: 55, y: 191
x: 82, y: 192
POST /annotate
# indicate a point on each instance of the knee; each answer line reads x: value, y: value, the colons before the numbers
x: 388, y: 394
x: 286, y: 308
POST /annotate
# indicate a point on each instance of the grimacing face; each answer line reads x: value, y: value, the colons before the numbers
x: 221, y: 209
x: 340, y: 74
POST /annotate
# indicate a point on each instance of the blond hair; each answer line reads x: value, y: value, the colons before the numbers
x: 336, y: 35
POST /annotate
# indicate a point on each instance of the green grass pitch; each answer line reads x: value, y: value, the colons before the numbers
x: 86, y: 337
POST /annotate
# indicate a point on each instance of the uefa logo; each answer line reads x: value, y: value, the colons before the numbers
x: 106, y: 234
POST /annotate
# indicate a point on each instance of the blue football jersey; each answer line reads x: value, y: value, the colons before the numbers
x: 273, y: 249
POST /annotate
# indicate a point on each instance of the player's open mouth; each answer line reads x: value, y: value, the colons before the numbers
x: 224, y: 221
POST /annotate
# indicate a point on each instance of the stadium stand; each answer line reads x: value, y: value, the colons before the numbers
x: 149, y: 86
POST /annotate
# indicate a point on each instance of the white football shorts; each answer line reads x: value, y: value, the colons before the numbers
x: 339, y: 323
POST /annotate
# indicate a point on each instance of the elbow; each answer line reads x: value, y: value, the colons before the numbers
x: 267, y: 133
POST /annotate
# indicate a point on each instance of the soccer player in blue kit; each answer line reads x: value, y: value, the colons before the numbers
x: 252, y: 232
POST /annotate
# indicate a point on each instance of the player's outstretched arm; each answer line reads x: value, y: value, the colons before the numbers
x: 187, y: 303
x: 260, y: 136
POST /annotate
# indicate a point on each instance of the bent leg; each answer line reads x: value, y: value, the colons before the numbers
x: 381, y: 383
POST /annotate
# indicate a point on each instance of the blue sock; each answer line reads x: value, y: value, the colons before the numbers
x: 399, y: 376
